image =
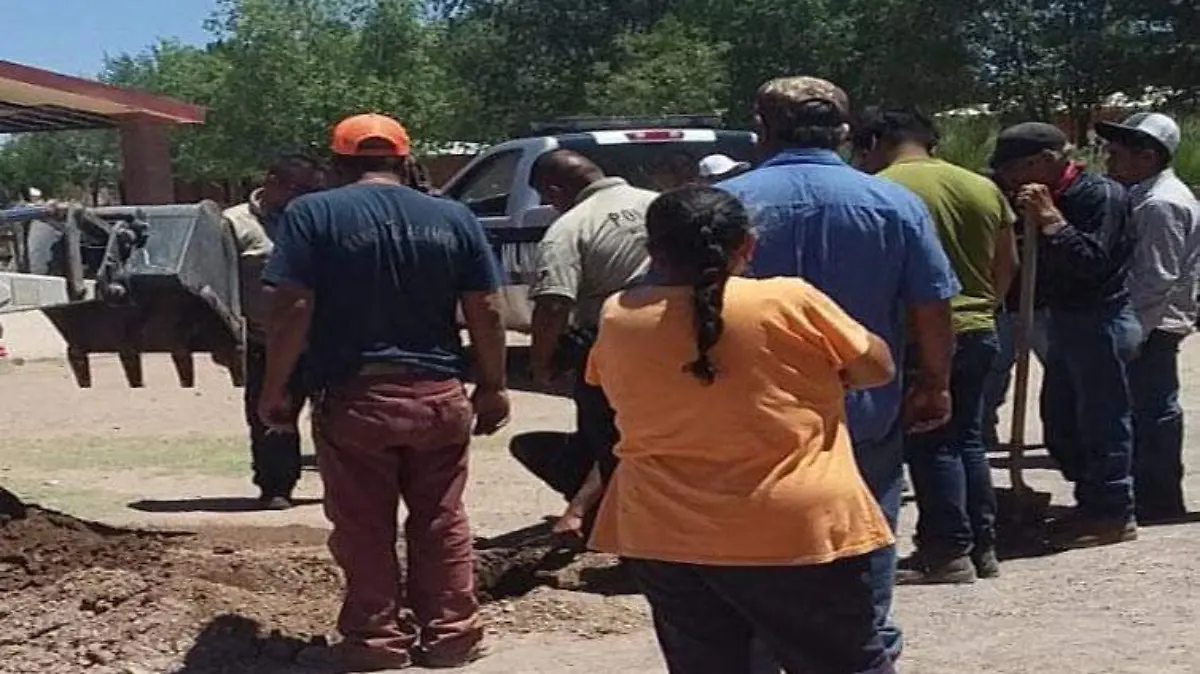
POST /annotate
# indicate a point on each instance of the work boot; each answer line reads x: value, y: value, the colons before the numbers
x: 434, y: 660
x: 987, y: 564
x: 923, y: 569
x: 1077, y: 531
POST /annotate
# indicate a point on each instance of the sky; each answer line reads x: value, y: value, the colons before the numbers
x: 73, y: 36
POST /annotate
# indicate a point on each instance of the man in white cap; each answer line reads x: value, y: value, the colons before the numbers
x: 1163, y: 283
x: 717, y: 167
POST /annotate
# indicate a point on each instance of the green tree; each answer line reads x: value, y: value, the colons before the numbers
x: 516, y: 61
x: 399, y: 55
x: 64, y: 164
x: 908, y: 51
x: 196, y: 75
x: 772, y: 38
x: 671, y: 68
x: 878, y: 50
x: 1039, y: 57
x: 279, y: 73
x: 1173, y: 30
x: 290, y: 76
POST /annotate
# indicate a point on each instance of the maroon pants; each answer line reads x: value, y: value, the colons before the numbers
x: 381, y: 439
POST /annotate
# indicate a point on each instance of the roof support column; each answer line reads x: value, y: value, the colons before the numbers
x: 146, y: 161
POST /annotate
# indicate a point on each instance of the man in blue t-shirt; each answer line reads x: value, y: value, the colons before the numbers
x: 369, y: 276
x: 869, y: 244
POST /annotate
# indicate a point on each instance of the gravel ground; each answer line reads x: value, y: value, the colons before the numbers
x: 174, y: 459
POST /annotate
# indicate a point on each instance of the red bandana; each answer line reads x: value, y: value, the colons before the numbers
x: 1070, y: 175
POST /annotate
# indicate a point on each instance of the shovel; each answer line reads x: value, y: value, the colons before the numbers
x: 1023, y: 508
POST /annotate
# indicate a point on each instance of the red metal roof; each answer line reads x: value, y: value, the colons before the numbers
x: 32, y: 99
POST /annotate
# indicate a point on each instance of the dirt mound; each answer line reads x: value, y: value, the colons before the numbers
x: 81, y: 597
x: 108, y: 621
x: 37, y: 547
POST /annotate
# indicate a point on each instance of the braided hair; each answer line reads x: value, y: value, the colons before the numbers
x: 695, y: 231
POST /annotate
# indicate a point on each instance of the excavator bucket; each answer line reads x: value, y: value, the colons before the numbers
x: 134, y: 280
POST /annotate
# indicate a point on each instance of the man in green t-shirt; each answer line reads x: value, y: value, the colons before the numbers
x: 950, y: 473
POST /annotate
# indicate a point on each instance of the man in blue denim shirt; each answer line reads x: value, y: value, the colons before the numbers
x: 869, y: 244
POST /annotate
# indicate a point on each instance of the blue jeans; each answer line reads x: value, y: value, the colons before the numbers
x: 1158, y: 427
x: 949, y: 467
x: 1087, y: 413
x: 996, y: 387
x: 881, y: 463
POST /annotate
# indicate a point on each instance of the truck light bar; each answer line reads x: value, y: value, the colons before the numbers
x: 655, y: 134
x: 583, y: 124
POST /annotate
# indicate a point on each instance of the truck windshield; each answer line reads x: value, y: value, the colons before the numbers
x: 655, y: 165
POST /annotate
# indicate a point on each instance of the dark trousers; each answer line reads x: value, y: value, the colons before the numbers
x: 563, y: 460
x: 813, y: 619
x: 560, y: 460
x: 949, y: 466
x: 1087, y: 412
x: 596, y: 425
x: 381, y: 439
x: 1158, y: 427
x: 275, y: 456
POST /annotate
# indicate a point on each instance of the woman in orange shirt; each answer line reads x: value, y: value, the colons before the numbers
x: 737, y: 502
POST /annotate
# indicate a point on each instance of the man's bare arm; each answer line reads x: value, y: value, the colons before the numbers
x: 933, y: 334
x: 551, y: 319
x: 929, y: 394
x: 483, y: 313
x: 290, y: 310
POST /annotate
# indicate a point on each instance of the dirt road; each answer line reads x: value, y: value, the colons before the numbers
x: 175, y: 459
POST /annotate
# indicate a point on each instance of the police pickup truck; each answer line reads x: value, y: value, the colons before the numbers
x: 495, y: 185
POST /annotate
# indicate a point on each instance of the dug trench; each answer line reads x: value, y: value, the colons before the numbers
x: 77, y: 596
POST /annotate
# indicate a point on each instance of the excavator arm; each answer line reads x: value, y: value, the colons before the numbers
x: 128, y: 280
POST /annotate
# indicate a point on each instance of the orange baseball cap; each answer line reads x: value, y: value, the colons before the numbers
x: 371, y: 135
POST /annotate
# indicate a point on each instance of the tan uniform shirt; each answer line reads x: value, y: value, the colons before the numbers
x: 595, y: 249
x: 254, y: 247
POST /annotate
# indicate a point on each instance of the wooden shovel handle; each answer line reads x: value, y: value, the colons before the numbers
x: 1022, y: 342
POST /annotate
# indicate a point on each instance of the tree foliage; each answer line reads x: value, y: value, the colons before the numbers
x: 1038, y: 56
x: 514, y: 61
x: 1174, y: 60
x: 670, y: 68
x: 277, y: 73
x: 188, y: 73
x: 75, y: 163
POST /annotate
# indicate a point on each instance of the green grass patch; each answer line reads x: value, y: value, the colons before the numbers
x: 198, y: 455
x: 1187, y: 161
x: 90, y: 504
